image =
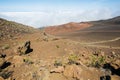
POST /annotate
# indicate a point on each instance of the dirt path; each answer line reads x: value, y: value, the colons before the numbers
x: 100, y: 46
x: 94, y: 44
x: 118, y: 38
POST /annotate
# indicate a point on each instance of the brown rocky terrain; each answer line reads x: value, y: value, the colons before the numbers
x: 10, y: 29
x: 69, y: 27
x: 41, y: 56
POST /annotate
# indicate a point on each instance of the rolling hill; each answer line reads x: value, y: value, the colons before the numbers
x: 69, y: 27
x: 109, y: 25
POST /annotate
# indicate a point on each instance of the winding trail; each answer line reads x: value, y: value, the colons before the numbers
x: 94, y: 44
x: 118, y: 38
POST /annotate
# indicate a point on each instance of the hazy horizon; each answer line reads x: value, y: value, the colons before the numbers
x: 40, y: 13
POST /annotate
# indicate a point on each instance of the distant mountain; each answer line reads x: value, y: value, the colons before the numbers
x: 9, y: 29
x: 108, y: 25
x: 69, y: 27
x: 98, y: 31
x: 112, y: 21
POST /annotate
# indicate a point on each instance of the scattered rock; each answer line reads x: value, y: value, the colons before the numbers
x: 1, y: 78
x: 115, y: 77
x: 6, y: 74
x: 113, y: 53
x: 105, y: 77
x: 2, y: 55
x: 102, y: 53
x: 58, y: 63
x: 73, y: 71
x: 59, y: 69
x: 116, y: 64
x: 45, y: 75
x: 17, y: 60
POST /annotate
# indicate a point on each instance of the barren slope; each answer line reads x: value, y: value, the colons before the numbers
x: 100, y: 30
x: 9, y: 29
x: 65, y: 28
x: 38, y: 63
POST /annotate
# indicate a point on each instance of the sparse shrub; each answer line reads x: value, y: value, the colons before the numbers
x: 57, y: 46
x: 58, y: 63
x: 93, y: 60
x: 101, y: 60
x: 27, y: 61
x: 6, y: 74
x: 36, y: 76
x: 6, y: 46
x: 97, y: 61
x: 73, y: 58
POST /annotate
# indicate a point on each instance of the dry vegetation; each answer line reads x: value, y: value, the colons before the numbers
x: 9, y: 29
x: 41, y: 56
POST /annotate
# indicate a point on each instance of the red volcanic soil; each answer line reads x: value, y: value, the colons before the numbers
x: 109, y: 25
x: 69, y: 27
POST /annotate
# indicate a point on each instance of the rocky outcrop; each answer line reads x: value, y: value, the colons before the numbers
x: 25, y: 48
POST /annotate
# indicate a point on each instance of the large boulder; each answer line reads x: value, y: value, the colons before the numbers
x: 116, y: 64
x: 2, y: 62
x: 24, y: 48
x: 115, y: 77
x: 72, y: 71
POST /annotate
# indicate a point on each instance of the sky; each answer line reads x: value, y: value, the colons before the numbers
x: 42, y: 13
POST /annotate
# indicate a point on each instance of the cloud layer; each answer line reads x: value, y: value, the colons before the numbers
x: 48, y: 18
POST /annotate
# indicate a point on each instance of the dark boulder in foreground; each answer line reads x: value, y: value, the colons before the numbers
x: 25, y: 48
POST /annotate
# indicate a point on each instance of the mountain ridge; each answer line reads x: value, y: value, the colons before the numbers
x: 108, y: 25
x: 9, y: 29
